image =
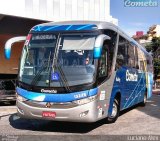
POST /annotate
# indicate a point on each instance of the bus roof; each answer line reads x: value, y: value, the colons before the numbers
x: 84, y: 26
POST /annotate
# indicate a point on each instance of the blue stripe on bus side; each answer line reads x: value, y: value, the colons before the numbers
x: 137, y: 95
x: 51, y: 28
x: 131, y: 92
x: 45, y: 97
x: 150, y: 84
x: 129, y: 101
x: 69, y: 27
x: 84, y: 27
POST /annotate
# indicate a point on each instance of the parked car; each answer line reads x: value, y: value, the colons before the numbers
x: 7, y: 88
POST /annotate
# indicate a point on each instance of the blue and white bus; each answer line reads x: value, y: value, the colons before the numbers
x: 80, y: 72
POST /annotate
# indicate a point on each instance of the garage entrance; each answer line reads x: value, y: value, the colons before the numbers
x: 10, y: 27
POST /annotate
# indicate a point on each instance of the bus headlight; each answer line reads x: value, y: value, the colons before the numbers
x: 20, y: 98
x: 85, y: 100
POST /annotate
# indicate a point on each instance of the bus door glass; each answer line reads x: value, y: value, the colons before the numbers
x: 121, y: 68
x: 132, y: 73
x: 105, y: 61
x: 143, y: 78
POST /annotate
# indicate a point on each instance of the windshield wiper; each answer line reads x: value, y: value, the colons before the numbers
x: 56, y: 65
x: 37, y: 76
x: 45, y: 65
x: 63, y: 78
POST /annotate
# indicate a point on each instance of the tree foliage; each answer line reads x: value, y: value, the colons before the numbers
x: 149, y: 47
x: 153, y: 47
x: 156, y: 62
x: 155, y: 43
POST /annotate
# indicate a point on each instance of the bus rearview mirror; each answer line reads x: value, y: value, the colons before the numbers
x: 9, y: 43
x: 98, y: 44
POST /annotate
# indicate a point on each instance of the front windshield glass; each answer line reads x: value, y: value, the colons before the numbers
x: 72, y: 65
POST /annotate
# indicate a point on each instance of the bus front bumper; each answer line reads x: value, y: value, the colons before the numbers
x: 82, y: 113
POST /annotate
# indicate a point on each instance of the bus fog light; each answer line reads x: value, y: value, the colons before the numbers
x: 83, y: 114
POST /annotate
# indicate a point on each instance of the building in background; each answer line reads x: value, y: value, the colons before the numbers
x: 141, y: 38
x: 139, y: 34
x: 145, y: 39
x: 59, y: 10
x: 154, y: 31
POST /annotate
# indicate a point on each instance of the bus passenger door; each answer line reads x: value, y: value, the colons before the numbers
x: 142, y: 75
x: 121, y: 62
x: 132, y: 75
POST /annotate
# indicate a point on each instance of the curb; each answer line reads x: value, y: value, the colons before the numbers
x: 156, y: 92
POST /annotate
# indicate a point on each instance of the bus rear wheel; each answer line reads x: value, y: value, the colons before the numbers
x: 115, y: 112
x: 143, y: 103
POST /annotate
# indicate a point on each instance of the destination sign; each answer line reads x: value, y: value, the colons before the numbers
x: 44, y: 37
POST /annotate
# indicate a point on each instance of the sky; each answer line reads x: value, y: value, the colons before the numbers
x: 132, y: 19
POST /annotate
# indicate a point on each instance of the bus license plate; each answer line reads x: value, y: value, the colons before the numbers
x: 49, y: 114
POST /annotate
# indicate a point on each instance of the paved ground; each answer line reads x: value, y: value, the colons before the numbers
x: 135, y: 121
x: 156, y: 91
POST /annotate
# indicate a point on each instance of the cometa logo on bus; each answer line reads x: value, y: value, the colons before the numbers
x: 48, y: 91
x: 131, y: 76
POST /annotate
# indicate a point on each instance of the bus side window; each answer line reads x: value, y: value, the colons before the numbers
x: 121, y: 54
x: 141, y: 60
x: 103, y: 62
x: 149, y: 64
x: 136, y: 58
x: 131, y: 56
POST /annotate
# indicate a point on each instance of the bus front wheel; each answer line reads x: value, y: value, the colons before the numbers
x: 115, y: 112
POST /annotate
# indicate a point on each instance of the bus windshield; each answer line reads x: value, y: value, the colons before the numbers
x: 51, y: 60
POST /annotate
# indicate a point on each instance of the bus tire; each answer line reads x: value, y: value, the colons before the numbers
x: 143, y: 103
x: 115, y: 112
